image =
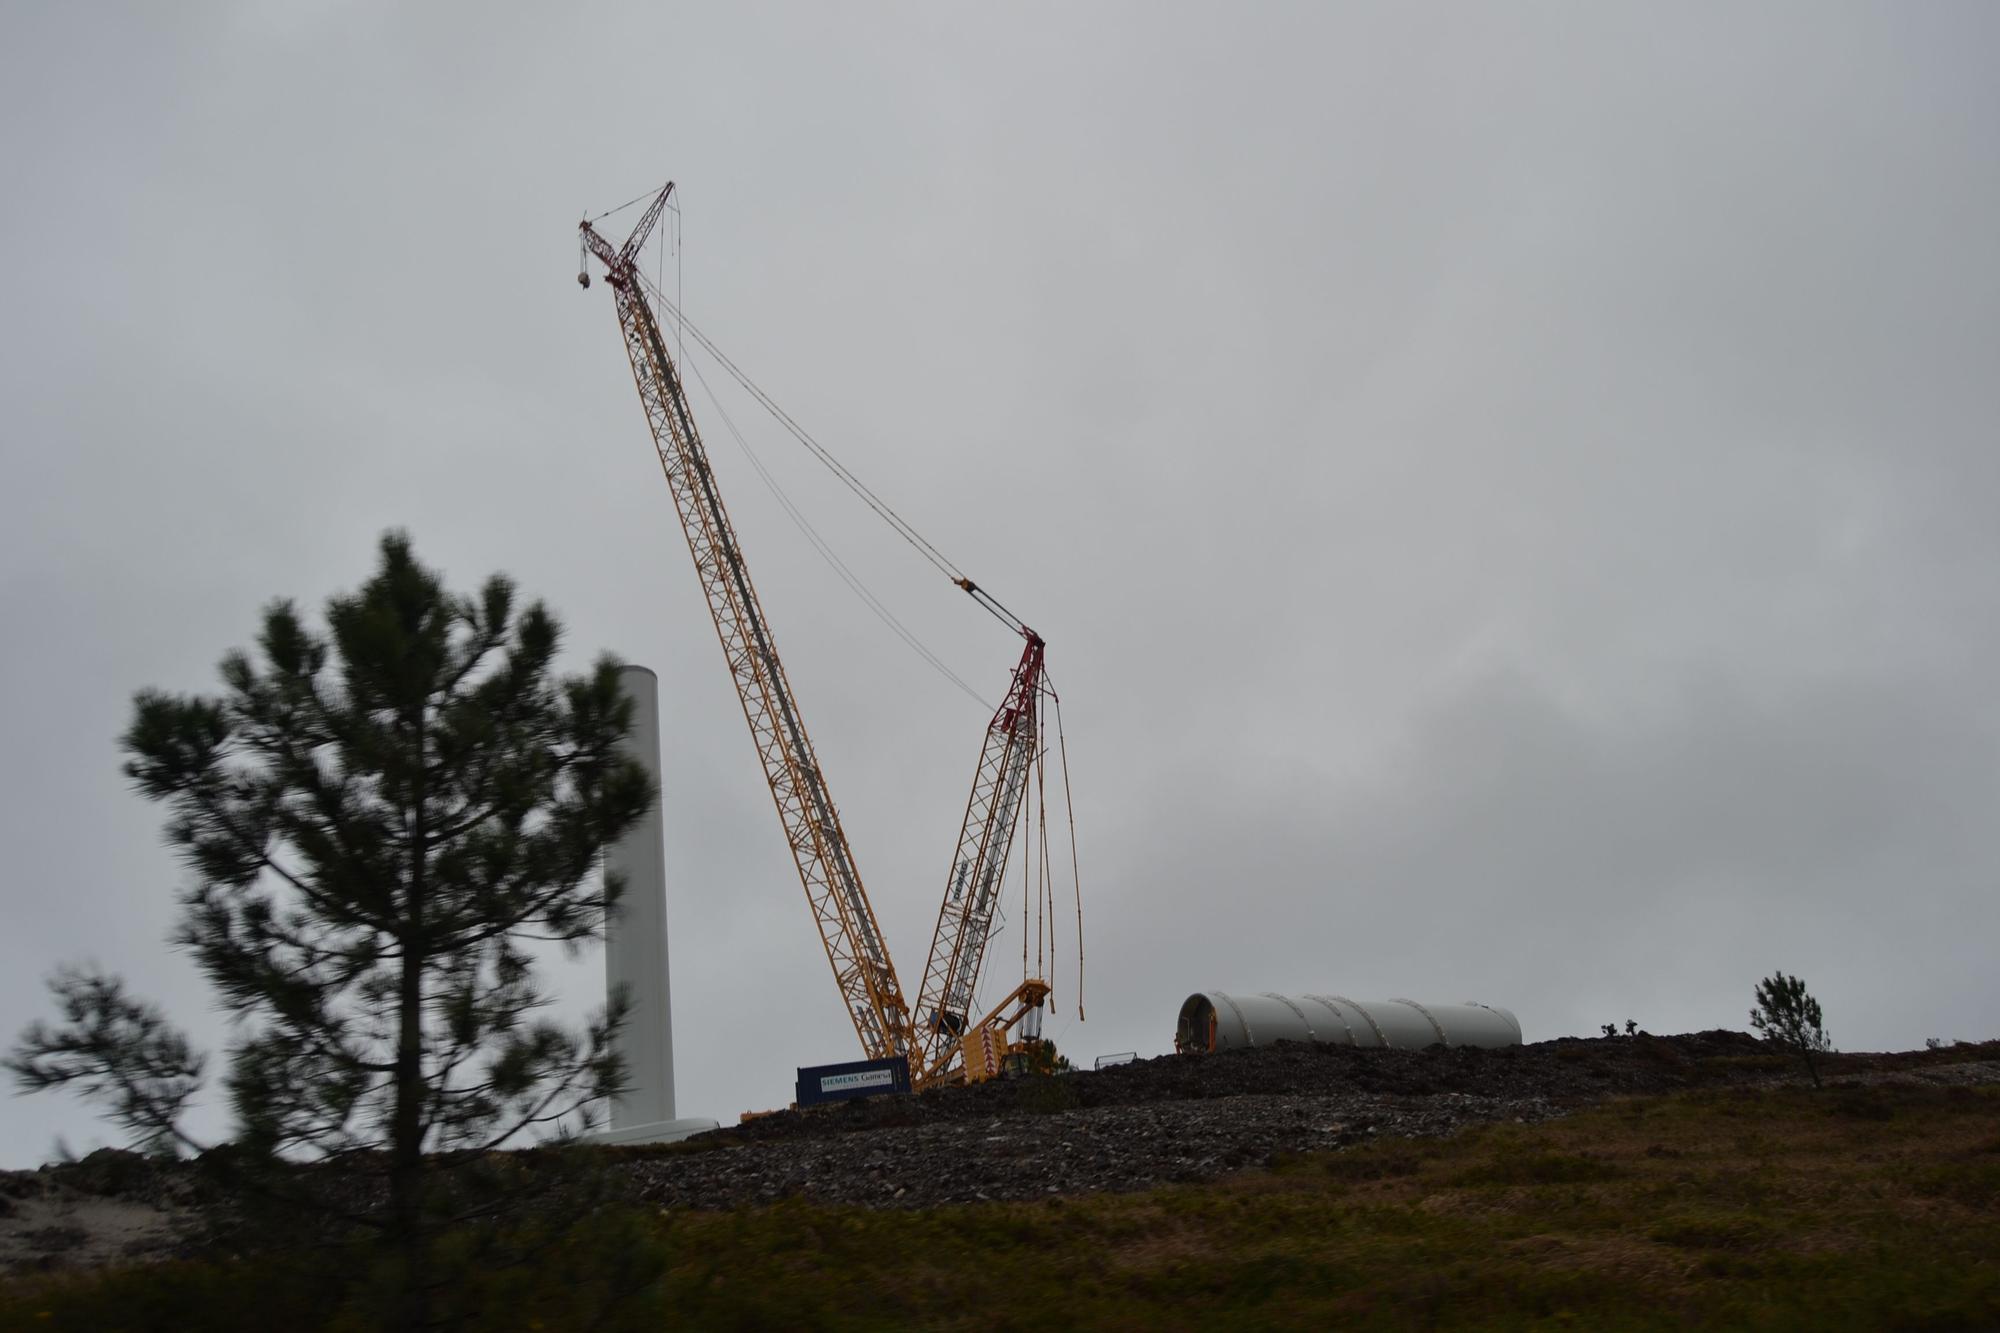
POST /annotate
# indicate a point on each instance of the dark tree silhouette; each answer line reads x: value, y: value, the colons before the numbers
x: 1786, y: 1014
x: 378, y: 821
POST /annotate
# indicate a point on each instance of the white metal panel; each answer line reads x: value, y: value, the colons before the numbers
x: 1221, y: 1021
x: 1405, y: 1025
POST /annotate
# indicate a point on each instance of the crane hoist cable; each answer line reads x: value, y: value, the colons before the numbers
x: 835, y: 466
x: 855, y: 948
x: 845, y: 919
x: 1075, y: 870
x: 825, y: 550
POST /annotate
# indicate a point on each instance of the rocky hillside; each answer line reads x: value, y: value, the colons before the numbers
x: 1126, y: 1128
x: 1179, y: 1118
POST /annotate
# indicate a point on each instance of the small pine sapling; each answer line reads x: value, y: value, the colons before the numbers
x: 1786, y: 1014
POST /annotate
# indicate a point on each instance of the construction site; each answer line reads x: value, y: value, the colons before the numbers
x: 972, y: 1020
x: 1287, y: 666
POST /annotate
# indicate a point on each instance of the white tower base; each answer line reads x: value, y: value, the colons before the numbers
x: 660, y: 1131
x: 635, y: 950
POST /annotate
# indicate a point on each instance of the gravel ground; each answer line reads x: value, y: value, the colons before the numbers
x: 110, y: 1206
x: 963, y: 1159
x: 1177, y: 1118
x: 1127, y: 1128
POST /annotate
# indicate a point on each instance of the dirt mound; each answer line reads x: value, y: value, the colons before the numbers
x: 1125, y: 1146
x: 108, y: 1206
x: 1564, y: 1071
x: 1194, y: 1117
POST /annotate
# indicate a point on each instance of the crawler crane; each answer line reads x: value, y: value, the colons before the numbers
x: 944, y: 1040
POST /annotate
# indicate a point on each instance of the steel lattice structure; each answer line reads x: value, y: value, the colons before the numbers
x: 840, y: 906
x: 979, y: 865
x: 847, y: 926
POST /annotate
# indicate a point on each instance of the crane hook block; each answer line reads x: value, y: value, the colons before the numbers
x: 583, y: 279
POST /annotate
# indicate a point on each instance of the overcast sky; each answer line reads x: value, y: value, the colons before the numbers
x: 1510, y: 491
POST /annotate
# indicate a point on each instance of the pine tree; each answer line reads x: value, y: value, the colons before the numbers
x: 379, y: 821
x: 1785, y: 1013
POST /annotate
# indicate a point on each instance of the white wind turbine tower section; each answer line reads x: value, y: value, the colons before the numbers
x: 635, y: 948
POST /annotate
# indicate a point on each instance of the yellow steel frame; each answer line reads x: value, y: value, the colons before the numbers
x: 840, y: 907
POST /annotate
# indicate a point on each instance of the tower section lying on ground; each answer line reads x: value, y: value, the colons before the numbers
x: 1217, y: 1021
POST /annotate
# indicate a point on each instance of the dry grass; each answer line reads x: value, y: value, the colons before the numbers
x: 1857, y: 1208
x: 1864, y: 1208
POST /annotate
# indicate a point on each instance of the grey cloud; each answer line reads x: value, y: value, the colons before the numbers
x: 1512, y: 848
x: 1510, y: 493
